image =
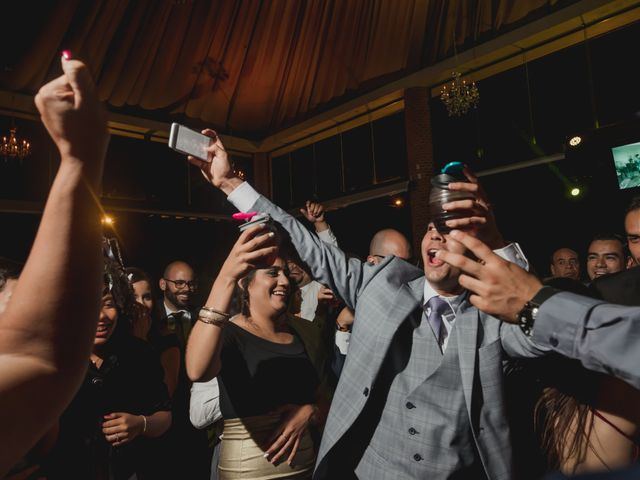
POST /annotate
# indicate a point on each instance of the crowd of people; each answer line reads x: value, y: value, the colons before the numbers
x: 305, y: 361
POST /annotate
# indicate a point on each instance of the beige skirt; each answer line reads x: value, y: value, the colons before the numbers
x: 242, y: 458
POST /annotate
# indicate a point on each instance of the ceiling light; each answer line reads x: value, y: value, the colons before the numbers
x: 107, y: 220
x: 575, y: 141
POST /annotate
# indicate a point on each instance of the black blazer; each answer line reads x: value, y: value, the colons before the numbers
x: 622, y: 287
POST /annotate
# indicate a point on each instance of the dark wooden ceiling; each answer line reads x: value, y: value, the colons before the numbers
x: 252, y: 67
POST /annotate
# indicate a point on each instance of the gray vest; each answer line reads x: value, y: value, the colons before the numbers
x: 424, y: 431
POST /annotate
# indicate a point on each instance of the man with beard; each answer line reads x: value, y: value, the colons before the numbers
x: 178, y: 285
x: 189, y: 453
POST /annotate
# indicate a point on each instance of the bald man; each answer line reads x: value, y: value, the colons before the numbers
x: 565, y: 263
x: 384, y: 243
x: 388, y: 242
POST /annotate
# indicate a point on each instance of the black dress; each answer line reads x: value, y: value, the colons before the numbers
x: 129, y: 380
x: 259, y: 375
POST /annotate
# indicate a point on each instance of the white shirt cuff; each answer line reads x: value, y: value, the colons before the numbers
x: 342, y: 341
x: 328, y: 237
x: 513, y: 253
x: 243, y: 197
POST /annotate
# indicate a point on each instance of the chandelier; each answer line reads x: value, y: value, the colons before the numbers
x: 459, y: 96
x: 12, y: 147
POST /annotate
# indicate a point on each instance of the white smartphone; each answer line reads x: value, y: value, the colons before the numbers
x: 189, y: 142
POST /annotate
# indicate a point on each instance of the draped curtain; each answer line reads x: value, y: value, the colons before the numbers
x: 249, y: 67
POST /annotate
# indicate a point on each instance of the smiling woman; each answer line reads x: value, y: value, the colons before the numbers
x: 266, y: 363
x: 107, y: 430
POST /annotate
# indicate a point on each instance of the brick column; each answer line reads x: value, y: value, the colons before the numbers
x: 262, y: 173
x: 417, y: 117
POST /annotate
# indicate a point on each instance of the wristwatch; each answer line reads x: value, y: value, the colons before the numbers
x: 527, y: 316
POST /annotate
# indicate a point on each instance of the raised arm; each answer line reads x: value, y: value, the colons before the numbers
x: 314, y: 213
x: 205, y: 341
x: 47, y: 329
x: 327, y: 264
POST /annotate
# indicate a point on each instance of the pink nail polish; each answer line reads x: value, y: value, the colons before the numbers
x: 66, y: 54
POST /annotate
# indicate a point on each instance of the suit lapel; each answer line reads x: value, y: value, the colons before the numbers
x: 406, y: 301
x: 467, y: 327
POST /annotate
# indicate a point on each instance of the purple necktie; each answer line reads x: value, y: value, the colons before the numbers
x: 435, y: 308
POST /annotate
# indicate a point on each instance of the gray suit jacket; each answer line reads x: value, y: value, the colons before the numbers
x: 604, y: 337
x: 384, y: 298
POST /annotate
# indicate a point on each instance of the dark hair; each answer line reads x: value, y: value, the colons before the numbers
x: 9, y: 270
x: 287, y: 252
x: 607, y: 236
x: 567, y: 399
x: 135, y: 274
x: 634, y: 204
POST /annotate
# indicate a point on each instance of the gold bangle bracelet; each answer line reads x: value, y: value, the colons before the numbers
x: 213, y: 310
x: 212, y: 318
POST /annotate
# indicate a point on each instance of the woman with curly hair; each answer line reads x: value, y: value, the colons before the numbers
x: 123, y: 401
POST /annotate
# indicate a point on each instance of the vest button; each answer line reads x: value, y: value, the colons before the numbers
x: 409, y: 405
x: 365, y: 392
x: 417, y: 457
x: 412, y: 431
x: 553, y: 341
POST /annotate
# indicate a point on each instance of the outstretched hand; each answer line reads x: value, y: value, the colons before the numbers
x: 75, y: 118
x: 479, y: 218
x: 254, y: 247
x: 500, y: 288
x: 217, y: 169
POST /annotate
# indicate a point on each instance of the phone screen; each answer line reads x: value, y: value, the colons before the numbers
x: 189, y: 142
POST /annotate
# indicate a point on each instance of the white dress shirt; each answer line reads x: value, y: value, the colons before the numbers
x: 204, y: 406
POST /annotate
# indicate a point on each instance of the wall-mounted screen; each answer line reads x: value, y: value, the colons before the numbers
x: 626, y: 159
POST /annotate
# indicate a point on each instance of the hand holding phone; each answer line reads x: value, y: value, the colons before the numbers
x: 189, y: 142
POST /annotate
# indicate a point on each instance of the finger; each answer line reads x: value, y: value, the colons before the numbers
x: 473, y: 284
x: 303, y: 211
x: 467, y: 222
x: 480, y: 303
x: 216, y: 145
x: 460, y: 261
x: 251, y: 257
x: 78, y: 77
x: 275, y: 442
x: 464, y: 186
x: 294, y: 450
x: 285, y: 448
x: 258, y: 241
x: 467, y: 204
x: 112, y: 424
x: 479, y: 249
x: 249, y: 233
x: 112, y: 430
x: 201, y: 164
x: 209, y: 133
x: 469, y: 174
